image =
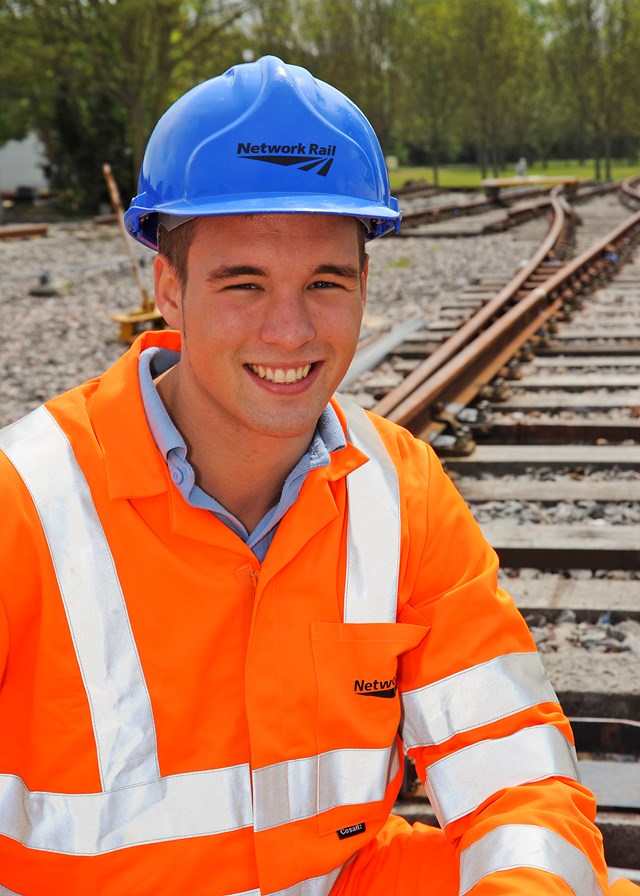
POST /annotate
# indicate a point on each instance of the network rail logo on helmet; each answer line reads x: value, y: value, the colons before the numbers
x: 198, y: 161
x: 314, y: 158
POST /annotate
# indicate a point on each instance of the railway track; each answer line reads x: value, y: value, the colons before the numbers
x: 533, y: 402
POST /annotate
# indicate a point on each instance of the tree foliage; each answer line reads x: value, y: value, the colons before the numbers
x: 351, y: 44
x: 97, y: 74
x: 593, y: 79
x: 430, y: 92
x: 439, y: 79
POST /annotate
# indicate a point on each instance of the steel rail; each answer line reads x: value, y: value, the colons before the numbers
x: 466, y: 371
x: 629, y: 194
x: 416, y: 217
x: 20, y: 231
x: 479, y: 321
x: 417, y: 188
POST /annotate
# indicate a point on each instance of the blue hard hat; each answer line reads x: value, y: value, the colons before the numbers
x: 264, y: 137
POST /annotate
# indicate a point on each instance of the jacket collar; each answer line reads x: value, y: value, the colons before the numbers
x: 133, y: 464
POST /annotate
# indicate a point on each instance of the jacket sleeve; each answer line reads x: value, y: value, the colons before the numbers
x: 480, y: 719
x: 10, y: 561
x: 4, y: 640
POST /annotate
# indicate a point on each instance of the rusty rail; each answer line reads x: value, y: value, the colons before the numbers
x: 628, y: 191
x: 458, y: 369
x: 396, y: 399
x: 20, y: 231
x: 522, y: 212
x: 416, y: 217
x: 417, y: 188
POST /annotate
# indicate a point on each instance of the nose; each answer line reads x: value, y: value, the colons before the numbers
x: 288, y: 321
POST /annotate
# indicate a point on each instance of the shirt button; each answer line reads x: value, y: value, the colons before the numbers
x: 177, y: 476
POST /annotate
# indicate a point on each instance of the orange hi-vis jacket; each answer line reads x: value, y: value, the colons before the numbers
x: 178, y: 718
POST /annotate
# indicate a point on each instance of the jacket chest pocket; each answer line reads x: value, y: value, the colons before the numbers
x: 358, y: 714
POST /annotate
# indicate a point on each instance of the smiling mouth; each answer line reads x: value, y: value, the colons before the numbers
x: 281, y: 374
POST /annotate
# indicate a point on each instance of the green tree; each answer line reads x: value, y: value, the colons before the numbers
x: 527, y: 124
x: 429, y: 89
x: 595, y: 46
x: 352, y: 44
x: 99, y: 73
x: 16, y: 111
x: 274, y: 29
x: 631, y: 96
x: 496, y: 43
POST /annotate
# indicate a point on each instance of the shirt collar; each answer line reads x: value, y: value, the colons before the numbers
x: 328, y: 435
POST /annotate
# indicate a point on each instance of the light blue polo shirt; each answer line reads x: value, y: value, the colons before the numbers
x: 327, y: 437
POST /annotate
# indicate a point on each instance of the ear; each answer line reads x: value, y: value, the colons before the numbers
x: 168, y: 292
x: 363, y: 279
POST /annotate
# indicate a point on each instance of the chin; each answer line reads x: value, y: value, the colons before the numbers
x: 287, y: 427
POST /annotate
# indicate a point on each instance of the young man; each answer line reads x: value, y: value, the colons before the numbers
x: 234, y: 599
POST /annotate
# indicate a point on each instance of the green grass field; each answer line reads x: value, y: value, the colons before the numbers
x: 468, y: 176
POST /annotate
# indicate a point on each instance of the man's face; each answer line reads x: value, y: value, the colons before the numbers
x: 270, y: 318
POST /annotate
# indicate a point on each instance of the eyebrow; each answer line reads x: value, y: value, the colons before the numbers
x: 224, y: 272
x: 338, y: 270
x: 235, y: 270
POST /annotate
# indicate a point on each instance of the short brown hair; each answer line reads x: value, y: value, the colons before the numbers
x: 175, y: 244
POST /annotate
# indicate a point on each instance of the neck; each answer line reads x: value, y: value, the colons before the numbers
x: 243, y: 470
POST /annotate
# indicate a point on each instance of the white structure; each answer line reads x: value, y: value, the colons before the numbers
x: 21, y: 164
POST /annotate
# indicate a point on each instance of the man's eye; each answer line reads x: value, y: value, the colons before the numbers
x: 241, y: 286
x: 324, y: 284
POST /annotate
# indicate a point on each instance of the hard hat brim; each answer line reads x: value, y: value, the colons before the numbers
x: 142, y: 224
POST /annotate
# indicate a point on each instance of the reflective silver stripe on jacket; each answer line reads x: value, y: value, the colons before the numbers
x: 459, y: 783
x: 527, y: 846
x: 373, y: 525
x: 189, y: 805
x: 474, y: 697
x: 300, y: 788
x: 6, y: 892
x: 107, y: 655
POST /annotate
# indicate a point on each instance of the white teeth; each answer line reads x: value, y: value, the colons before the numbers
x: 279, y: 374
